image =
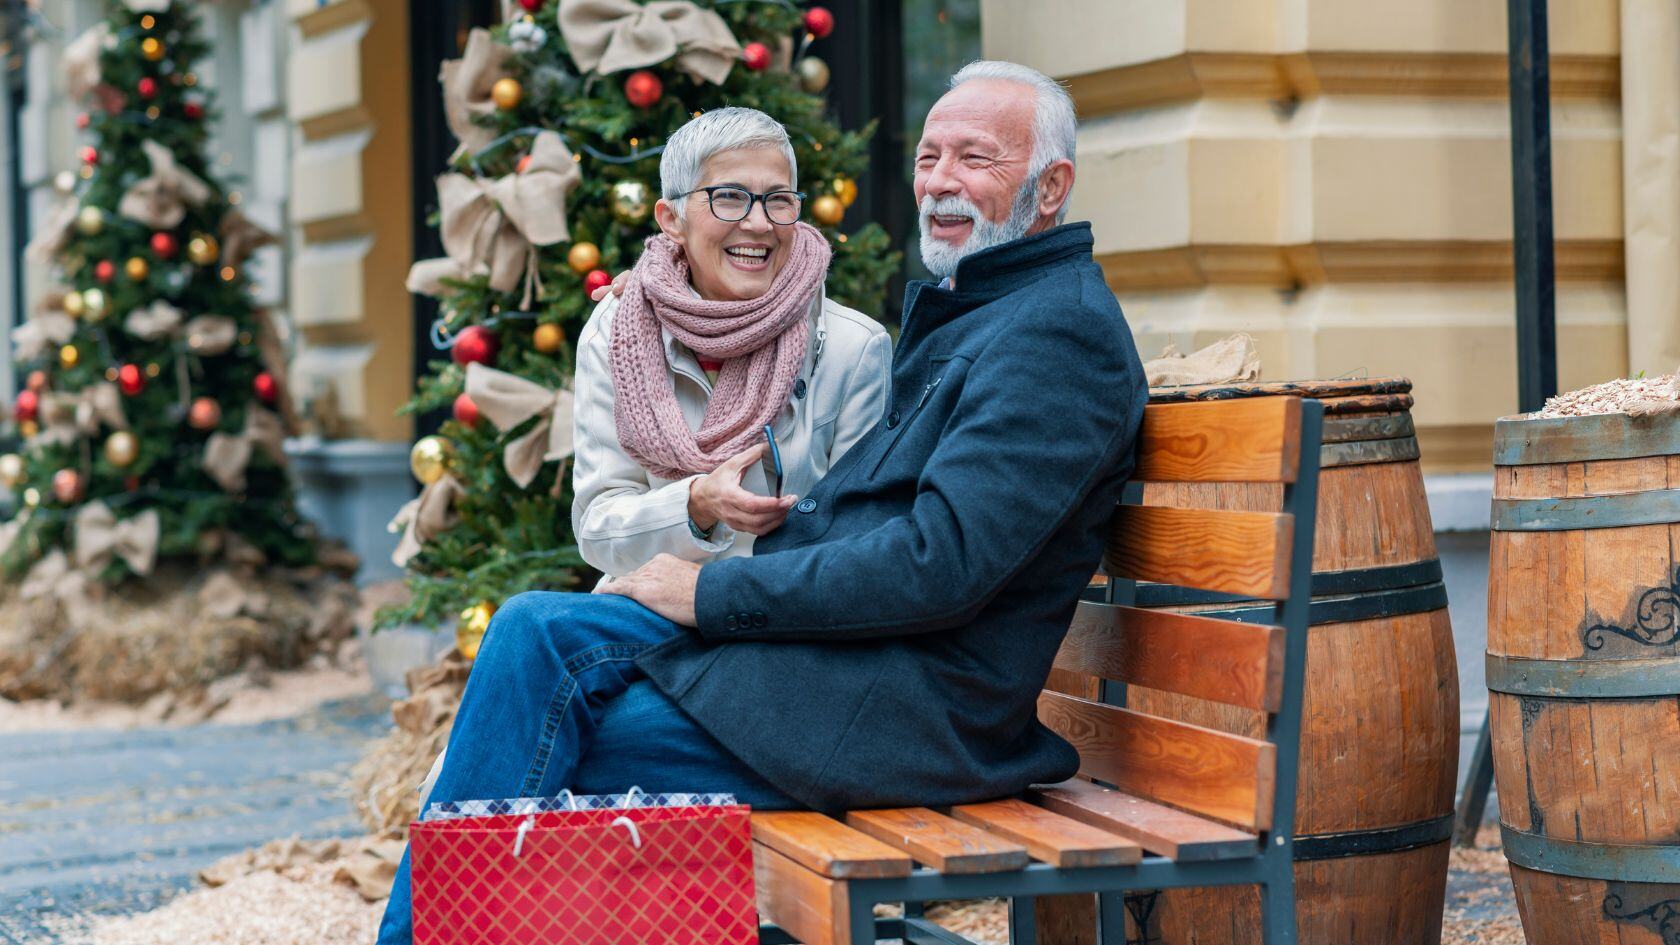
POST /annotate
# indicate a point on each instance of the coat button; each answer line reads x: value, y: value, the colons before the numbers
x: 799, y: 389
x: 892, y: 419
x: 760, y: 621
x: 744, y: 618
x: 732, y: 623
x: 807, y: 505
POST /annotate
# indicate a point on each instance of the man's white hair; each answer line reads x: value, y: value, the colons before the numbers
x: 1055, y: 125
x: 716, y: 131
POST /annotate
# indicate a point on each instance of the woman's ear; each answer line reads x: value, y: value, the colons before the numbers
x: 669, y: 223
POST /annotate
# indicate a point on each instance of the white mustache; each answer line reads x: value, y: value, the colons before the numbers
x: 948, y: 206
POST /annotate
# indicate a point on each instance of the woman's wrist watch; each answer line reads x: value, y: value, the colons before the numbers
x: 701, y: 534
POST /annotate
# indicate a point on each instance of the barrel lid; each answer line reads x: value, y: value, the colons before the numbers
x: 1528, y: 439
x: 1340, y: 396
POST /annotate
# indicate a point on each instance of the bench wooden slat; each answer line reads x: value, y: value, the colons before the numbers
x: 1249, y: 440
x: 819, y: 842
x: 939, y: 841
x: 1161, y: 830
x: 1212, y: 549
x: 1223, y: 776
x: 1221, y: 660
x: 1050, y: 837
x: 813, y: 908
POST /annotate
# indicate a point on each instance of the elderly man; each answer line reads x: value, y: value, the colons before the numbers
x: 887, y: 644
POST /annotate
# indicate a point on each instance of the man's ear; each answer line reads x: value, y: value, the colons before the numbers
x: 669, y: 223
x: 1055, y: 184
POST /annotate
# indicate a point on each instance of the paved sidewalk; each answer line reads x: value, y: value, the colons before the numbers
x: 112, y: 822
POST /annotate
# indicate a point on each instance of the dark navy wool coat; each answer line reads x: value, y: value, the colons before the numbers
x: 887, y: 645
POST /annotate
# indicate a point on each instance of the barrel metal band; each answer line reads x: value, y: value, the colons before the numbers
x: 1363, y: 452
x: 1583, y: 439
x: 1656, y: 507
x: 1329, y: 846
x: 1349, y: 429
x: 1628, y: 862
x: 1324, y: 584
x: 1584, y: 679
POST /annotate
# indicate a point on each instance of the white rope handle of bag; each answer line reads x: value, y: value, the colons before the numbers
x: 635, y: 835
x: 630, y: 796
x: 519, y: 838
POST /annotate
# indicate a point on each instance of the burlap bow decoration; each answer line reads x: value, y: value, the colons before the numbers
x: 207, y: 335
x: 43, y: 332
x: 241, y: 238
x: 160, y: 199
x: 423, y: 518
x: 466, y: 88
x: 54, y: 234
x: 226, y: 455
x: 147, y: 6
x: 508, y: 401
x: 492, y: 225
x: 81, y: 60
x: 52, y: 576
x: 101, y: 536
x: 609, y: 36
x: 67, y: 416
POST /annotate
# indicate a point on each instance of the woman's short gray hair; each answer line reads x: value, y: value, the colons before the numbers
x: 1055, y: 125
x: 713, y: 132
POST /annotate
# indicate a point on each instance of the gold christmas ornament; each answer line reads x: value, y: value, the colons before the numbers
x: 90, y: 220
x: 813, y: 74
x: 845, y: 188
x: 152, y: 370
x: 69, y: 356
x: 122, y: 448
x: 12, y: 471
x: 631, y: 203
x: 93, y: 303
x: 64, y: 182
x: 203, y: 249
x: 475, y: 622
x: 429, y: 459
x: 151, y: 48
x: 583, y: 257
x: 828, y: 210
x: 137, y: 268
x: 548, y: 338
x: 73, y: 304
x: 31, y: 497
x: 506, y: 93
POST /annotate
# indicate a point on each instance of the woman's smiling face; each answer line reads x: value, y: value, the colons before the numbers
x: 730, y: 262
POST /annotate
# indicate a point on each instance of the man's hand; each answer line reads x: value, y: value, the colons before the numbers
x: 664, y: 585
x: 617, y: 287
x: 718, y: 497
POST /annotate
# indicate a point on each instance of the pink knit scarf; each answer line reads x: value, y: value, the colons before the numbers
x: 761, y: 343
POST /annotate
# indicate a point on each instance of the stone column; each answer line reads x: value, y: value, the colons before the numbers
x: 1333, y: 176
x: 1651, y: 165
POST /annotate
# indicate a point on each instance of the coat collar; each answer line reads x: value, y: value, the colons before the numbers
x: 992, y: 272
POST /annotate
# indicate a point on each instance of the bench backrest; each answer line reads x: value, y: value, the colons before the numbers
x: 1266, y: 556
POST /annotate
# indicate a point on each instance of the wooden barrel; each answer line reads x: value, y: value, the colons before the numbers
x: 1379, y: 743
x: 1583, y: 664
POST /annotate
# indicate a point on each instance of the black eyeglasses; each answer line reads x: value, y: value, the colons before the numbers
x: 732, y: 204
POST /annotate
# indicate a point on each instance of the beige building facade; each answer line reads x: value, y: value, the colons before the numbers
x: 1333, y: 176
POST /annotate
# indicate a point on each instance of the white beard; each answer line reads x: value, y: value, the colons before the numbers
x: 941, y: 258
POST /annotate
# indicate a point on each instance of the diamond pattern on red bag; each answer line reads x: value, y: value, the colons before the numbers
x: 579, y: 878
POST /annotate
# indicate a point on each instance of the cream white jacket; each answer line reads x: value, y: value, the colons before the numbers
x: 623, y: 516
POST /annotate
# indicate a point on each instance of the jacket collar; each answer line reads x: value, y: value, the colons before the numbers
x: 995, y: 268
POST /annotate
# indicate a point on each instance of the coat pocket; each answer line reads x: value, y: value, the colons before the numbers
x: 916, y: 411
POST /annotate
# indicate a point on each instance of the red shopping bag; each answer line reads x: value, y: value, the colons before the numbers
x: 653, y: 875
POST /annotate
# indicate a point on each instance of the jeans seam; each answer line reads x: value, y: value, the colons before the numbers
x: 562, y: 698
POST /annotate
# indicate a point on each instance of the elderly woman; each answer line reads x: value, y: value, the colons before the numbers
x: 723, y: 328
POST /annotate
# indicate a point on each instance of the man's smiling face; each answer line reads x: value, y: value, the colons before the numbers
x: 973, y: 158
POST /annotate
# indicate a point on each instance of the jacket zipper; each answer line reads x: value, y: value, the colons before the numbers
x: 914, y: 412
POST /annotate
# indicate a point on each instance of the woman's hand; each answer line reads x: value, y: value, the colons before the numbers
x: 617, y: 287
x: 718, y: 497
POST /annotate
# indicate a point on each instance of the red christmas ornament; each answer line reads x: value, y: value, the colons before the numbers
x: 90, y: 155
x: 266, y: 387
x: 819, y: 22
x: 67, y: 486
x: 596, y: 279
x: 83, y: 120
x: 164, y: 244
x: 37, y: 381
x: 131, y: 483
x: 147, y: 87
x: 531, y: 6
x: 523, y: 163
x: 131, y: 380
x: 466, y: 412
x: 643, y: 89
x: 28, y: 405
x: 474, y: 343
x: 757, y: 56
x: 104, y: 270
x: 193, y: 110
x: 204, y: 414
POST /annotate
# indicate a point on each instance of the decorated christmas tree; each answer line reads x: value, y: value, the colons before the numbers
x: 152, y: 416
x: 562, y: 114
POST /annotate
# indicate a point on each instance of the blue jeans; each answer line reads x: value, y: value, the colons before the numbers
x: 555, y: 702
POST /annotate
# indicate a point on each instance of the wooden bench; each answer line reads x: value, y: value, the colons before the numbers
x: 1158, y: 803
